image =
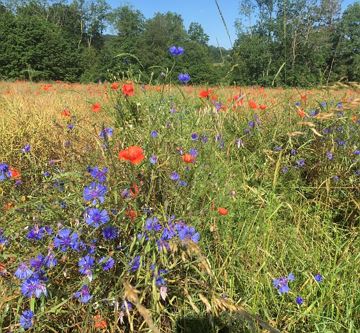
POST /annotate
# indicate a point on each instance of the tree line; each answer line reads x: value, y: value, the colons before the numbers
x: 289, y: 42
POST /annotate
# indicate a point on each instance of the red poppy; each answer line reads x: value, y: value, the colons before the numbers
x: 8, y: 205
x: 222, y: 211
x: 188, y: 158
x: 99, y: 322
x: 205, y: 93
x: 262, y: 107
x: 301, y: 113
x: 252, y: 104
x: 303, y: 98
x: 115, y: 86
x: 46, y: 87
x: 65, y: 113
x: 128, y: 89
x: 96, y: 107
x: 14, y: 173
x: 239, y: 99
x: 131, y: 214
x: 133, y: 154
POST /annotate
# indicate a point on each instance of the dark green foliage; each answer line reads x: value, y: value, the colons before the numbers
x: 294, y: 43
x: 36, y: 49
x: 297, y: 43
x: 347, y: 60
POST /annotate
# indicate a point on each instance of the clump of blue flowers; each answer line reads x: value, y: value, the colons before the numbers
x: 176, y: 51
x: 282, y: 283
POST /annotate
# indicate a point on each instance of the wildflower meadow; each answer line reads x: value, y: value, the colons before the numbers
x: 127, y: 207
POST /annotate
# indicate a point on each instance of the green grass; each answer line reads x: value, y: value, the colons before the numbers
x: 301, y: 221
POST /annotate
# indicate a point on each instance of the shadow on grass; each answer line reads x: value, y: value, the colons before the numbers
x: 209, y: 325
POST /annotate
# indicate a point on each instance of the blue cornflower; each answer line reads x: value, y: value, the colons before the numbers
x: 282, y: 283
x: 326, y: 130
x: 313, y: 113
x: 50, y: 260
x: 300, y: 163
x: 91, y: 249
x: 23, y: 272
x: 299, y: 300
x: 26, y: 148
x: 174, y: 176
x: 85, y: 265
x: 162, y: 245
x: 95, y: 192
x: 278, y: 148
x: 194, y: 136
x: 323, y: 104
x: 95, y: 217
x: 204, y: 139
x: 70, y: 126
x: 26, y: 319
x: 125, y: 193
x: 341, y: 143
x: 176, y: 50
x: 284, y: 169
x: 135, y: 264
x: 154, y: 134
x: 193, y: 152
x: 107, y: 263
x: 37, y: 262
x: 106, y: 133
x: 297, y: 103
x: 152, y: 224
x: 65, y: 240
x: 142, y: 235
x: 4, y: 171
x: 37, y: 233
x: 160, y: 281
x: 83, y: 295
x: 168, y: 233
x: 153, y: 159
x: 126, y: 306
x: 293, y: 152
x: 356, y: 152
x: 59, y: 184
x: 46, y: 174
x: 251, y: 124
x: 182, y: 183
x: 63, y: 204
x: 33, y: 286
x: 184, y: 78
x: 335, y: 178
x: 98, y: 174
x: 329, y: 155
x: 3, y: 239
x: 218, y: 106
x: 110, y: 232
x: 186, y: 232
x: 318, y: 278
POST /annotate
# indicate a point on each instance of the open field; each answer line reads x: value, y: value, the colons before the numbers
x: 236, y: 209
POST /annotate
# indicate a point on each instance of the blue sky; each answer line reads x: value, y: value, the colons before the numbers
x: 202, y: 11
